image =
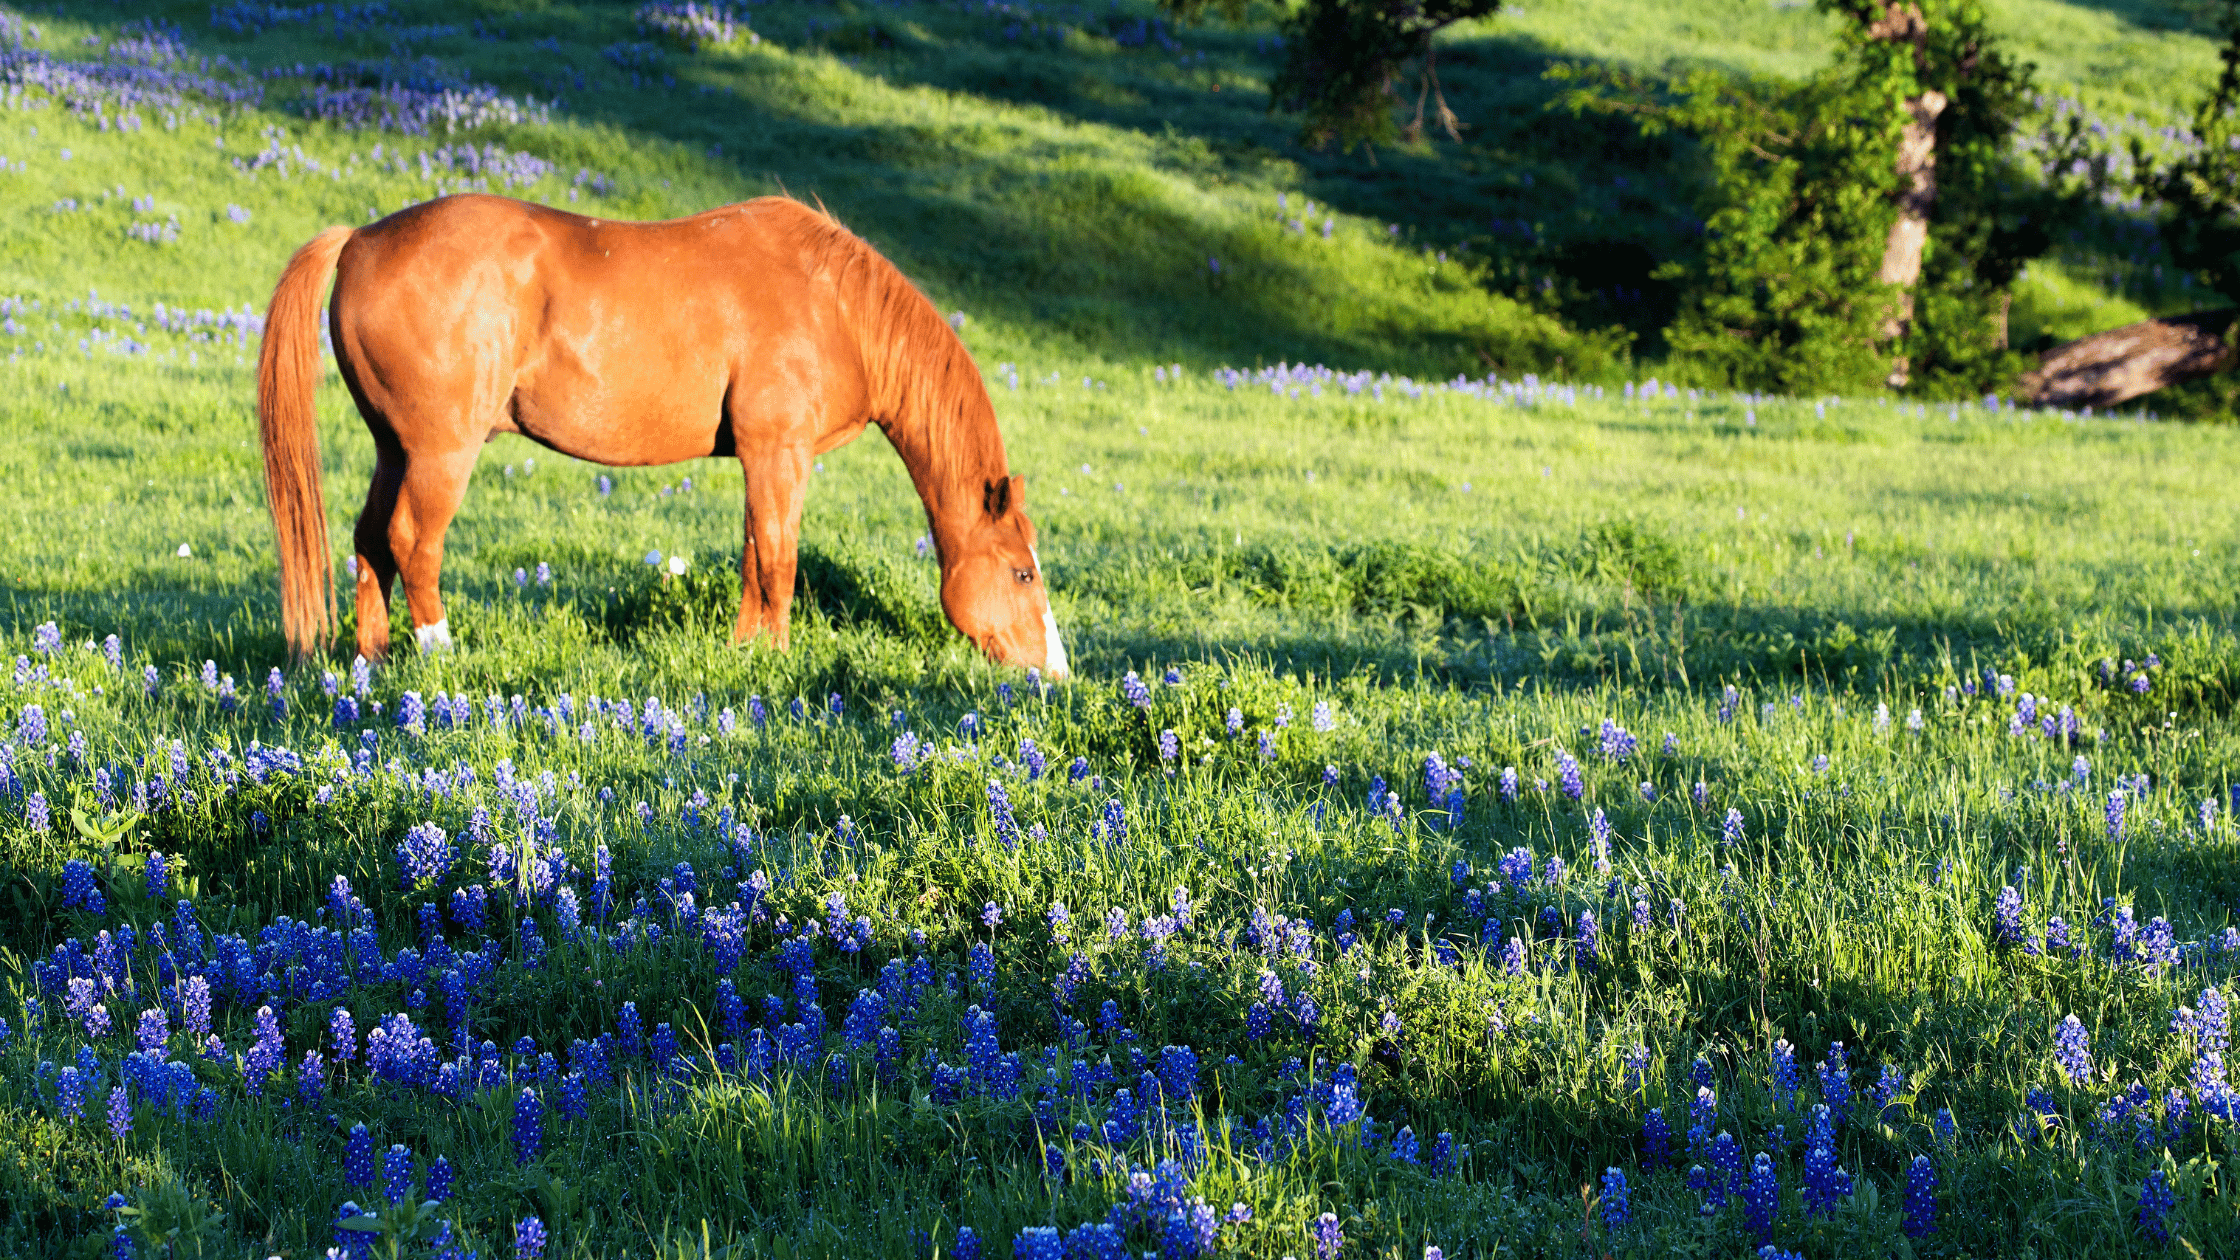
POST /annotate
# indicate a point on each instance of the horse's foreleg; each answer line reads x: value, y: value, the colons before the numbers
x: 434, y: 484
x: 377, y: 564
x: 775, y: 481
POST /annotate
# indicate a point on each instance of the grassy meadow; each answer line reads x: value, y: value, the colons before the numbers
x: 1501, y: 807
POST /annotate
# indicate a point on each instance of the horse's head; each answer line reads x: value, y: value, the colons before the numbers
x: 992, y: 588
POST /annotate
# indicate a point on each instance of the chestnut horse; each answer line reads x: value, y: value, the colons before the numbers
x: 763, y: 330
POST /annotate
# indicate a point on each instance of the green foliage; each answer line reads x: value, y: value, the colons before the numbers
x: 2199, y: 192
x: 1784, y: 294
x: 1341, y: 59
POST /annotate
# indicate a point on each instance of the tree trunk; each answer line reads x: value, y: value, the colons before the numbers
x: 1917, y: 183
x: 2110, y: 368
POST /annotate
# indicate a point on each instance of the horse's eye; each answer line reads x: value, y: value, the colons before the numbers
x: 1024, y: 575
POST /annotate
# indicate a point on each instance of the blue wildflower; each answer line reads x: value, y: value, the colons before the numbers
x: 2155, y: 1201
x: 357, y: 1157
x: 2072, y: 1050
x: 1617, y: 1203
x: 1761, y: 1198
x: 1921, y: 1198
x: 528, y: 1127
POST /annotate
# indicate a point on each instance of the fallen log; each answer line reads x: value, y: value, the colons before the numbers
x: 2113, y: 367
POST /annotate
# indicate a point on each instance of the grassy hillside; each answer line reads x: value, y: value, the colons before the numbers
x: 1092, y: 179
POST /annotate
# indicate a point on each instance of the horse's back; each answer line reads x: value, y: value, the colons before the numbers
x: 611, y: 340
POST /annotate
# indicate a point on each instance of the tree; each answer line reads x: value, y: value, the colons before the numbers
x: 1343, y: 60
x: 1865, y: 227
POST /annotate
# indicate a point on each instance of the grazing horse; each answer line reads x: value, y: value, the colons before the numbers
x: 763, y: 330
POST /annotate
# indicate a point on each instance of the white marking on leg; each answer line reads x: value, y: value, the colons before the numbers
x: 435, y: 637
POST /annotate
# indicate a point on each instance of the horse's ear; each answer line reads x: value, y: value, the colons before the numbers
x: 997, y: 498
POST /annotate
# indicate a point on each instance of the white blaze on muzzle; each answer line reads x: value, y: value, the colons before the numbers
x: 1053, y: 648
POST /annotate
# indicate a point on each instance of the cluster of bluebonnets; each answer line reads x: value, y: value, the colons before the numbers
x: 145, y: 1017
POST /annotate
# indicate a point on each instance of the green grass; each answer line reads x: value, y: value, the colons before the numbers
x: 1487, y: 579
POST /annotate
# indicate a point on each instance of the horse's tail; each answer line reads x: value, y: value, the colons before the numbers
x: 287, y: 421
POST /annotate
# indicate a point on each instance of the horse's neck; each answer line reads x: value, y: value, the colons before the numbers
x: 953, y: 450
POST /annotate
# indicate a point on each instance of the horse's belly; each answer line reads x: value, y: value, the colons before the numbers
x: 611, y: 430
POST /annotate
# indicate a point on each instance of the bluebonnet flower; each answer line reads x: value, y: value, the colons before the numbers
x: 1587, y: 933
x: 35, y: 814
x: 1656, y: 1140
x: 1320, y: 718
x: 79, y: 891
x: 425, y: 855
x: 1784, y: 1075
x: 2155, y: 1201
x: 1169, y: 745
x: 150, y: 681
x: 440, y: 1177
x: 1921, y: 1198
x: 154, y: 1030
x: 1513, y: 957
x: 1233, y: 722
x: 2072, y: 1050
x: 1761, y: 1198
x: 349, y: 1244
x: 396, y: 1173
x: 1041, y: 1242
x: 70, y: 1093
x: 1730, y: 832
x: 357, y: 1158
x: 1617, y: 1203
x: 1726, y: 1172
x: 1567, y: 774
x: 1835, y: 1082
x: 2006, y: 911
x: 120, y: 1113
x: 999, y: 812
x: 967, y: 1245
x: 1133, y: 690
x: 528, y: 1239
x: 1329, y: 1239
x: 1031, y: 758
x: 1508, y: 785
x: 1617, y: 742
x: 1599, y: 832
x: 2115, y: 814
x: 528, y: 1127
x: 1825, y: 1182
x: 1888, y: 1086
x: 1112, y: 828
x: 1516, y: 868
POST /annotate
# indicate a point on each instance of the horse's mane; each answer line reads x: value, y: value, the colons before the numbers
x: 925, y: 390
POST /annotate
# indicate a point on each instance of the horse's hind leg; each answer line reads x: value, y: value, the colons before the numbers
x: 377, y: 564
